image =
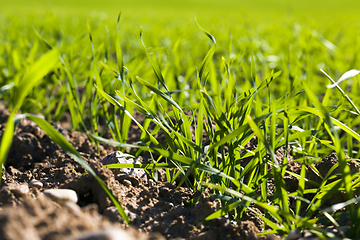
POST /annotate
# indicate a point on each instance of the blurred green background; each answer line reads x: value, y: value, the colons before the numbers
x: 258, y: 10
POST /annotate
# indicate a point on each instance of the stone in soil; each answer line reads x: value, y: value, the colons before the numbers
x: 36, y: 184
x: 119, y: 157
x: 61, y: 196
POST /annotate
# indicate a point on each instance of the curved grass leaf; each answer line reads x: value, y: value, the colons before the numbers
x: 119, y: 54
x: 34, y: 74
x: 155, y: 67
x: 6, y: 140
x: 160, y: 93
x: 225, y: 210
x: 49, y: 46
x: 208, y: 54
x: 342, y: 91
x: 349, y: 74
x: 7, y: 87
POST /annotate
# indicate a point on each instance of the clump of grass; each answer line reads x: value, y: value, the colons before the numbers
x: 273, y: 123
x: 210, y: 100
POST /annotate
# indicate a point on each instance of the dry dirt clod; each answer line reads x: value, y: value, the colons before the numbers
x: 111, y: 233
x: 20, y: 190
x: 73, y: 208
x: 112, y: 213
x: 209, y: 235
x: 61, y: 196
x: 108, y: 234
x: 293, y: 234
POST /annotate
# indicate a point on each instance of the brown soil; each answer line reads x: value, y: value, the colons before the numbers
x: 157, y: 209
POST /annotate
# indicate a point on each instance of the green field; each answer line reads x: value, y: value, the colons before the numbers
x: 261, y: 79
x: 230, y: 10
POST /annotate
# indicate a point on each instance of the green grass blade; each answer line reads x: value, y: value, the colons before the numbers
x: 167, y: 97
x: 143, y: 166
x: 225, y: 210
x: 155, y: 67
x: 119, y: 54
x: 301, y: 188
x: 34, y: 74
x: 6, y: 140
x: 199, y: 126
x: 208, y: 56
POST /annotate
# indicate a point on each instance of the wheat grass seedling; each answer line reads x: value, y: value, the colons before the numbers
x: 241, y: 112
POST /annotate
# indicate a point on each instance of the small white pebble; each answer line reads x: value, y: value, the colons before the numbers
x: 61, y: 196
x: 127, y: 182
x: 36, y: 184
